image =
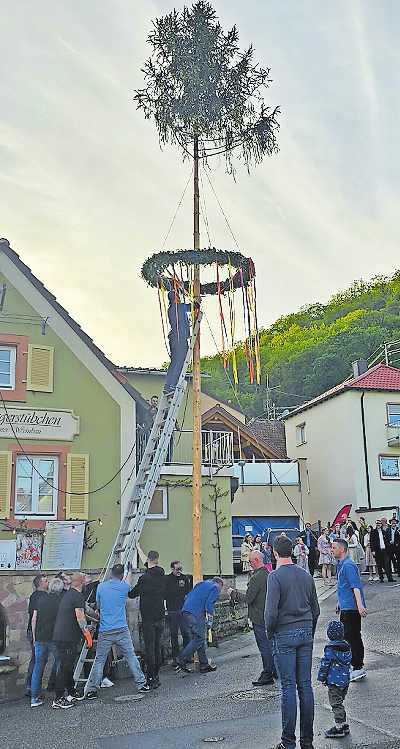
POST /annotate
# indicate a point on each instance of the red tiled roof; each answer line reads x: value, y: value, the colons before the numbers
x: 379, y: 377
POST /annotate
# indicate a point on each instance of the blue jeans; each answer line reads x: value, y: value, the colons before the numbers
x: 197, y: 630
x: 265, y: 652
x: 42, y: 652
x: 178, y: 622
x: 292, y: 653
x: 106, y: 640
x: 31, y: 665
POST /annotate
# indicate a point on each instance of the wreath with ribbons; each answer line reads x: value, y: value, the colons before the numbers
x: 154, y: 269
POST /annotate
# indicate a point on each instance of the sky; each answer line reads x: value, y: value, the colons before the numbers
x: 86, y: 194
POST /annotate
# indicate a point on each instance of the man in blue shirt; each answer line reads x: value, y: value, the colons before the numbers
x: 351, y: 605
x: 198, y: 610
x: 111, y: 600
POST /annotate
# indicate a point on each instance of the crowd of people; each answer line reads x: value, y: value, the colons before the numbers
x: 376, y: 550
x: 70, y: 611
x: 282, y: 606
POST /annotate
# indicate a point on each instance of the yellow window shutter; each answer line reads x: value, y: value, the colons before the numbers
x: 5, y: 483
x: 40, y: 368
x: 77, y: 505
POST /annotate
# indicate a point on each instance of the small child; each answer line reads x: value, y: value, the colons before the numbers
x: 301, y: 552
x: 266, y: 551
x: 334, y: 672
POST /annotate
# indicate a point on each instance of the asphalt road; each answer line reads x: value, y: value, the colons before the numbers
x: 185, y: 711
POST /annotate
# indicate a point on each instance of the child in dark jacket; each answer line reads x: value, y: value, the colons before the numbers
x: 334, y: 672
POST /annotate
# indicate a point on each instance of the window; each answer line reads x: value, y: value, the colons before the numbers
x: 36, y: 484
x: 301, y: 434
x: 7, y: 367
x: 158, y: 509
x: 393, y: 414
x: 389, y: 467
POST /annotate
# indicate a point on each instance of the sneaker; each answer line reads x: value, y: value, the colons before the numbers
x: 182, y: 667
x: 77, y: 697
x: 71, y: 698
x: 36, y: 703
x: 346, y: 728
x: 357, y: 674
x: 375, y: 578
x: 62, y: 704
x: 144, y: 689
x: 208, y: 668
x: 263, y: 682
x: 92, y: 695
x: 106, y: 683
x: 335, y: 733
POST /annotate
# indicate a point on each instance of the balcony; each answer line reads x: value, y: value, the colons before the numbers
x: 216, y: 448
x: 393, y: 435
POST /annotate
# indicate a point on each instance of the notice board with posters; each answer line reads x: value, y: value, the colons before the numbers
x: 63, y: 545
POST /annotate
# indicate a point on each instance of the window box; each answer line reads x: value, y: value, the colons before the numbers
x: 13, y: 366
x: 301, y: 438
x: 36, y: 486
x: 158, y: 509
x: 389, y: 467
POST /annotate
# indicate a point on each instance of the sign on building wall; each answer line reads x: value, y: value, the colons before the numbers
x: 29, y: 551
x: 63, y: 545
x: 7, y: 555
x: 38, y: 423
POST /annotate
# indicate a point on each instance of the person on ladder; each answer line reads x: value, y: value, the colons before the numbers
x: 111, y: 599
x: 178, y: 340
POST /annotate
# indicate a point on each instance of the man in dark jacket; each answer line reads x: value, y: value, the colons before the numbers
x: 151, y: 589
x: 177, y: 586
x: 310, y: 540
x: 40, y: 584
x: 379, y: 544
x: 255, y: 599
x: 393, y: 536
x: 178, y: 340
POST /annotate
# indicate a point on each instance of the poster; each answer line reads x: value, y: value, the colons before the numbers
x: 29, y: 551
x: 63, y: 544
x: 7, y: 555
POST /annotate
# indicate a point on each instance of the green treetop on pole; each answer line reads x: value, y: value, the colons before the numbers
x: 199, y: 85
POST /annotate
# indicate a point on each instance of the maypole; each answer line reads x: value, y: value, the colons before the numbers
x: 205, y: 95
x: 197, y: 558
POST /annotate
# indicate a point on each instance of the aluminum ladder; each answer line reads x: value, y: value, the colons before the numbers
x: 145, y: 483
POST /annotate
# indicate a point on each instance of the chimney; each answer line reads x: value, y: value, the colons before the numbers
x: 359, y: 367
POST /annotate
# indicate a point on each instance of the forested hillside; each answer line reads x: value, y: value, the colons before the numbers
x: 309, y: 351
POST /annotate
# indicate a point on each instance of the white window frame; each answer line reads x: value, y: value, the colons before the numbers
x: 13, y: 361
x: 35, y: 459
x: 164, y: 514
x: 395, y: 413
x: 389, y: 458
x: 301, y: 436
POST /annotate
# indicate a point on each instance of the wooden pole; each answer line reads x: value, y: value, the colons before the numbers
x: 196, y: 455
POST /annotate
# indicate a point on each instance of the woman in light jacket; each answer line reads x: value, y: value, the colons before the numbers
x: 245, y: 549
x: 326, y: 558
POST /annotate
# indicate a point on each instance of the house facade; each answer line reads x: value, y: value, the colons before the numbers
x: 266, y: 490
x: 347, y: 444
x: 67, y: 426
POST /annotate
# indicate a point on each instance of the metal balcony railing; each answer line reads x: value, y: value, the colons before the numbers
x: 216, y: 447
x: 393, y: 435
